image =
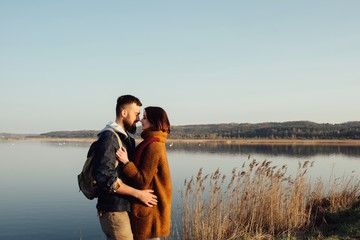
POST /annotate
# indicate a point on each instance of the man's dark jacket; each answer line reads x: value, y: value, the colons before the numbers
x: 105, y: 173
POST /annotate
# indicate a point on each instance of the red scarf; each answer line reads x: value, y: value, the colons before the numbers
x: 140, y: 148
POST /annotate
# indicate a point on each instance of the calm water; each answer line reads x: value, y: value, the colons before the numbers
x: 40, y: 198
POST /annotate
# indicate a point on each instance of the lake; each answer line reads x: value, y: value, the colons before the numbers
x: 40, y: 198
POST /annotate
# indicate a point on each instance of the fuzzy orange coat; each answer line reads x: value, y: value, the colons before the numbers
x: 152, y: 172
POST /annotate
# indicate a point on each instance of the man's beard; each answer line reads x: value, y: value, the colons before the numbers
x: 131, y: 128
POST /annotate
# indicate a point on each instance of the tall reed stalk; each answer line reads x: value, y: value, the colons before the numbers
x: 259, y: 201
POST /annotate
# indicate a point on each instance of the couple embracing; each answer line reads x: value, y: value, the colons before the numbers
x: 135, y: 183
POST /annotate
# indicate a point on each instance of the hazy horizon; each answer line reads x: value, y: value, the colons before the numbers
x: 36, y: 133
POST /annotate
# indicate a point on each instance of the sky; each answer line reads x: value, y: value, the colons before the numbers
x: 63, y: 64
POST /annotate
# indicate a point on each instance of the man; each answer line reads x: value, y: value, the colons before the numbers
x: 113, y: 203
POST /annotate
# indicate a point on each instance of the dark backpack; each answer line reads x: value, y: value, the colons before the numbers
x: 86, y: 180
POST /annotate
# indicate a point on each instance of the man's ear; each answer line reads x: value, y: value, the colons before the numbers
x: 124, y: 113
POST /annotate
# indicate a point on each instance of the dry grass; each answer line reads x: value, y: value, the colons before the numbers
x: 259, y: 201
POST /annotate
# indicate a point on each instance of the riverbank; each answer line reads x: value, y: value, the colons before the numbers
x: 245, y: 141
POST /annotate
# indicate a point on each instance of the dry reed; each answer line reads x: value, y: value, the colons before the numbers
x: 259, y: 201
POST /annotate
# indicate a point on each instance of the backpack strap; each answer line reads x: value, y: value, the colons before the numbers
x: 119, y: 140
x: 117, y: 136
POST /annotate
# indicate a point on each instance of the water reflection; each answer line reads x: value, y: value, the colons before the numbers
x: 301, y: 151
x: 272, y: 150
x: 45, y: 203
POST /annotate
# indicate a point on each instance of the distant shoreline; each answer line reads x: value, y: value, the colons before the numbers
x: 336, y: 142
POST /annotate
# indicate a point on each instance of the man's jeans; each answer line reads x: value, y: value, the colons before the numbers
x: 116, y: 225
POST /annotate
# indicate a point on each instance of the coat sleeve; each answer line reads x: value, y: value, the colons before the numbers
x: 104, y: 165
x: 150, y: 159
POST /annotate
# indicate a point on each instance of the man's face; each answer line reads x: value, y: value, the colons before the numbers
x: 132, y: 112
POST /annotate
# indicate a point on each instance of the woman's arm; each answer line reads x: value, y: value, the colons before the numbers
x: 143, y: 175
x: 105, y: 173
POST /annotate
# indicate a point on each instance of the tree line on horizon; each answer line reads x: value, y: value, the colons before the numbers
x: 269, y: 130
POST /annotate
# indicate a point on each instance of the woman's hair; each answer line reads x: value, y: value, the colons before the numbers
x: 158, y: 118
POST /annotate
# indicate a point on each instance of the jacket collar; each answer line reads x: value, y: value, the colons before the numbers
x: 116, y: 127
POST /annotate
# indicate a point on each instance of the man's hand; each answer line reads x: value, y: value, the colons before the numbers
x: 147, y: 197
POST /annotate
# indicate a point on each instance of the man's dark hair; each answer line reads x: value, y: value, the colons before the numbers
x: 124, y: 100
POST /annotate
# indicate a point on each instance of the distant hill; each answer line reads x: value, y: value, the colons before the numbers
x: 16, y: 135
x: 70, y: 134
x: 270, y: 130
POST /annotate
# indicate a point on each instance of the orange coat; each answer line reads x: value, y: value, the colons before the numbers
x: 152, y: 172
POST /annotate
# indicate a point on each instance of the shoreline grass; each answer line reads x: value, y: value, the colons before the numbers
x: 261, y: 201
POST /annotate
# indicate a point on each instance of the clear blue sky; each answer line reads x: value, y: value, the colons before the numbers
x: 64, y: 63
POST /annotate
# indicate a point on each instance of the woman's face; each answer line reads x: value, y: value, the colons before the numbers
x: 145, y: 122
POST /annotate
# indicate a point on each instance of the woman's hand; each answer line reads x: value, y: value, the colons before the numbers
x: 122, y: 156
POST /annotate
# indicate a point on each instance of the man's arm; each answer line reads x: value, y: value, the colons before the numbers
x: 105, y: 172
x: 104, y: 161
x: 146, y: 196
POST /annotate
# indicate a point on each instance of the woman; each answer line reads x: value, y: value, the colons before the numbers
x: 150, y: 170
